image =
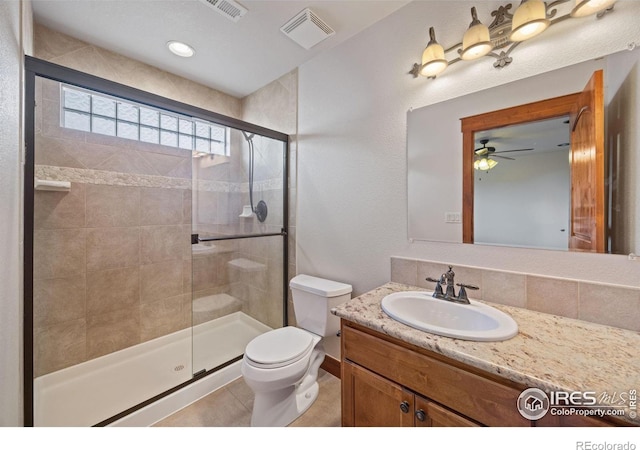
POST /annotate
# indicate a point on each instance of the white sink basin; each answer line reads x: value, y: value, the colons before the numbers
x: 474, y: 322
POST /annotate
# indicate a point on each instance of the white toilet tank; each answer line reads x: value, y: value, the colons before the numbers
x: 313, y: 299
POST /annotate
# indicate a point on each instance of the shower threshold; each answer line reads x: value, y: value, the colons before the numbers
x: 93, y: 391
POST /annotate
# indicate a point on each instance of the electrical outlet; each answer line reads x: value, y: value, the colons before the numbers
x: 452, y: 217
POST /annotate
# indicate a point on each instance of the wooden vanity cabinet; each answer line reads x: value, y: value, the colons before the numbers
x: 388, y: 382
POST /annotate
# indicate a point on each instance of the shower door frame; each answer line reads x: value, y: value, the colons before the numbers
x: 35, y: 67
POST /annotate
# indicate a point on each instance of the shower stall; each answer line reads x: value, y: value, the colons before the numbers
x: 155, y: 245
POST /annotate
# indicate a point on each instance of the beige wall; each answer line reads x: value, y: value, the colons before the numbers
x: 61, y: 49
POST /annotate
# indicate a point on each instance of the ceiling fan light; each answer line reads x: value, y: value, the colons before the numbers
x: 484, y: 164
x: 529, y: 20
x: 433, y: 60
x: 476, y: 41
x: 585, y: 8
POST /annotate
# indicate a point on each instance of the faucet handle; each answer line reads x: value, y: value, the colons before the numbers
x: 462, y: 294
x: 438, y: 289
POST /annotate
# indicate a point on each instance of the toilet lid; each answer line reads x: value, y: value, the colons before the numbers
x: 279, y: 347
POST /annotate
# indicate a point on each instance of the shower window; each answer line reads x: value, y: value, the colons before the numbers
x: 93, y: 112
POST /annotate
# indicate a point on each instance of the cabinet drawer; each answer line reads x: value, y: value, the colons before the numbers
x: 470, y: 394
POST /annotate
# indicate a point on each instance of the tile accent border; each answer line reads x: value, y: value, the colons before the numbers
x: 273, y: 184
x: 601, y: 303
x: 91, y: 176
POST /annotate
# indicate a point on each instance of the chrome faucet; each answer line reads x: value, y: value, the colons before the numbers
x: 447, y: 279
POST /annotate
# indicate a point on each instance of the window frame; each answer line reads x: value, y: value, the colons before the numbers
x: 118, y: 121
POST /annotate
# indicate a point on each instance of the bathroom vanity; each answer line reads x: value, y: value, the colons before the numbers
x: 395, y: 375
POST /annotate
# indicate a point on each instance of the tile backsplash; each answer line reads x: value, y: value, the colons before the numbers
x: 612, y: 305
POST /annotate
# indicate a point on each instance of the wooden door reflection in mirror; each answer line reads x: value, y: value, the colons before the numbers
x: 586, y: 109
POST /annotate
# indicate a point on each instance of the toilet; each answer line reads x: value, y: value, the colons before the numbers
x: 281, y: 366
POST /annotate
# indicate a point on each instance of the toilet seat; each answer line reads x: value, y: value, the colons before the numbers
x: 279, y: 348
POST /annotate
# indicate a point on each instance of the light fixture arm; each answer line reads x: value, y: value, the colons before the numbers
x: 474, y: 17
x: 500, y: 32
x: 432, y: 36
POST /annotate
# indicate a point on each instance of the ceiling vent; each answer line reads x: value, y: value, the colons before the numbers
x: 230, y: 9
x: 307, y: 29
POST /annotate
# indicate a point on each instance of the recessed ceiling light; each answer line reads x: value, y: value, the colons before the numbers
x: 181, y: 49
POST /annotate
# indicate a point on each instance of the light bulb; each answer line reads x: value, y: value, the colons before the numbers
x: 181, y: 49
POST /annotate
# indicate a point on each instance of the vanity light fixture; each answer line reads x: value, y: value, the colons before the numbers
x: 585, y: 8
x: 529, y: 20
x: 505, y: 33
x: 181, y: 49
x: 485, y: 164
x: 433, y: 61
x: 476, y: 41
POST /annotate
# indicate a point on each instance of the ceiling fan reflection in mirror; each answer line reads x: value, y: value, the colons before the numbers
x: 491, y: 151
x: 484, y: 155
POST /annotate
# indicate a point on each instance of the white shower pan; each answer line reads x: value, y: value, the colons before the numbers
x: 93, y: 391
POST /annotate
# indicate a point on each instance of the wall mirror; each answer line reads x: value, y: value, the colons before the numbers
x: 525, y: 199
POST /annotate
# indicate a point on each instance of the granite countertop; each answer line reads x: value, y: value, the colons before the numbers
x: 550, y: 352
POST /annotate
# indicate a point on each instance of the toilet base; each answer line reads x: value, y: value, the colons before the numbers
x: 279, y: 409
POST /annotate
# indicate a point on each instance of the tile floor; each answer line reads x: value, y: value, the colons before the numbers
x: 231, y: 406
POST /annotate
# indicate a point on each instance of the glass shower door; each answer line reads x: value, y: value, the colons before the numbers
x: 238, y: 255
x: 111, y: 306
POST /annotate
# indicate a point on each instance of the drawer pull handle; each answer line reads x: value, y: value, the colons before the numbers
x: 420, y: 415
x: 404, y: 407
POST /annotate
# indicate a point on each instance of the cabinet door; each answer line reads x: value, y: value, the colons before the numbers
x: 430, y: 414
x: 369, y: 400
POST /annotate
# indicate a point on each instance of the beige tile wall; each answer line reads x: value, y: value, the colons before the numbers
x: 617, y: 306
x: 67, y: 51
x: 243, y: 269
x: 275, y: 106
x: 111, y: 261
x: 255, y: 274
